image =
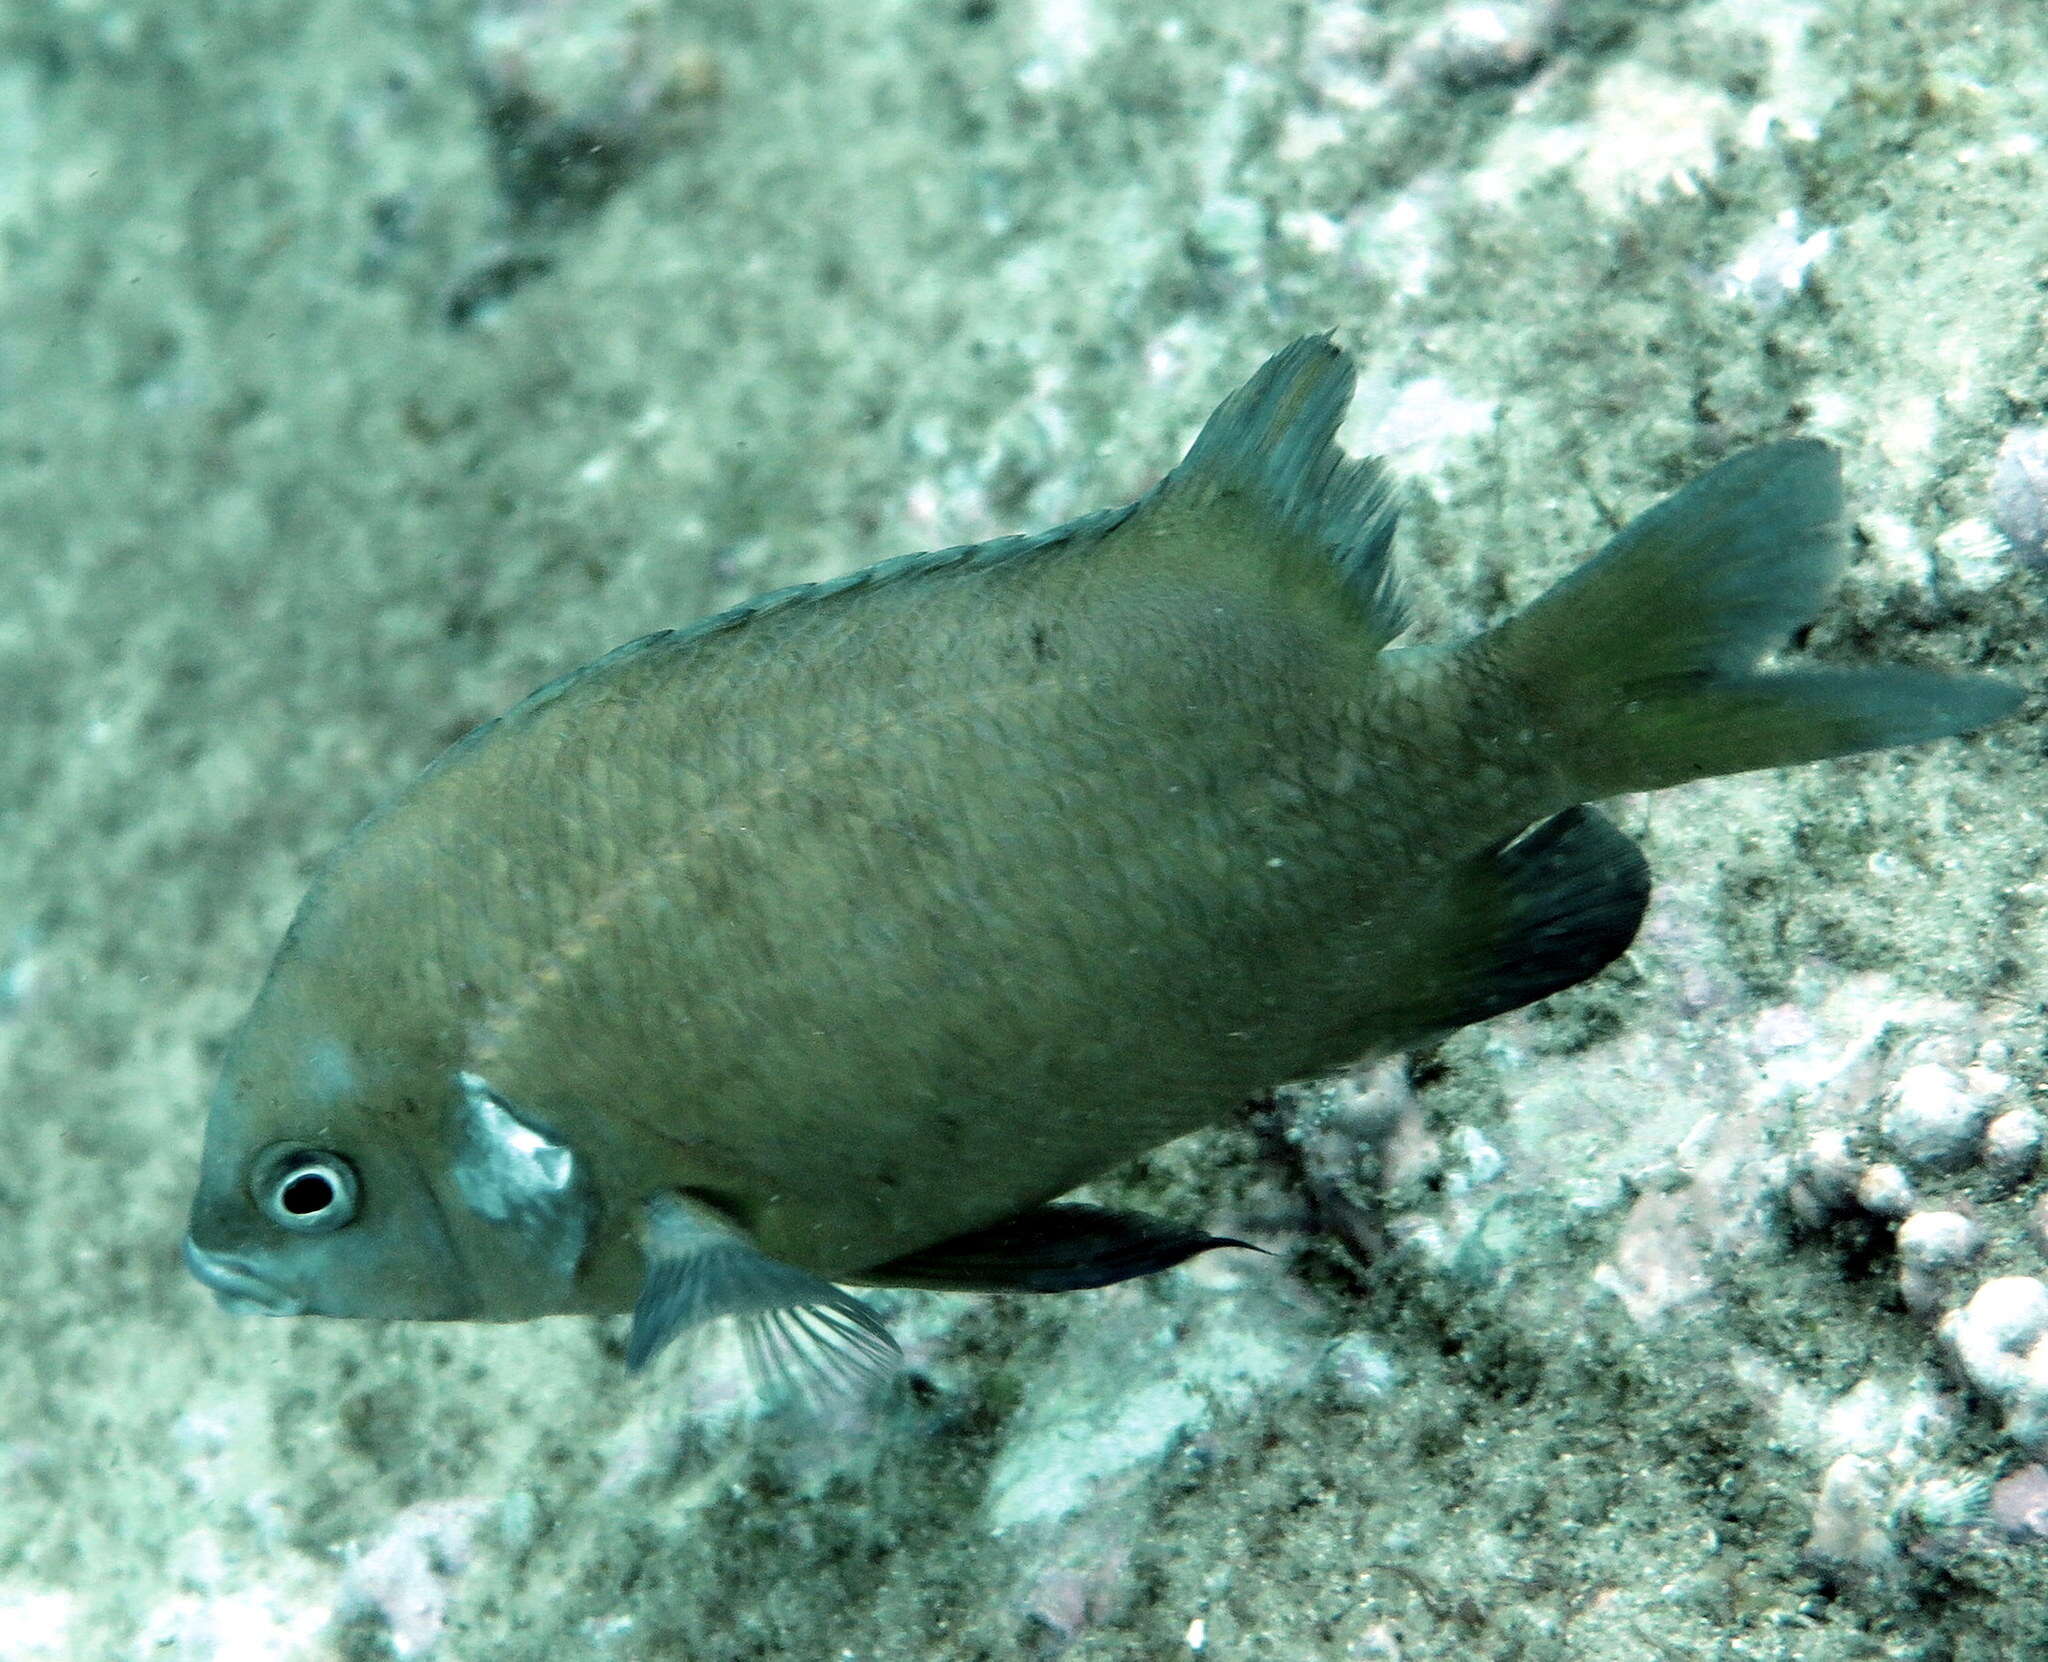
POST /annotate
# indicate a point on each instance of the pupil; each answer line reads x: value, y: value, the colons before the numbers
x: 307, y: 1193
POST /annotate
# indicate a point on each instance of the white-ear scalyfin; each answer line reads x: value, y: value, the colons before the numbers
x: 508, y: 1173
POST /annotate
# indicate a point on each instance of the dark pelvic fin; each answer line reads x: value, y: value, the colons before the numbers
x: 1536, y: 915
x: 1060, y: 1248
x: 803, y: 1336
x: 1266, y: 471
x: 1646, y: 662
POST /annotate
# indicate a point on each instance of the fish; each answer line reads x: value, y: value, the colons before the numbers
x: 828, y: 943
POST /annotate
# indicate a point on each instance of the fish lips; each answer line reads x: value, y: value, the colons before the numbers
x: 238, y: 1289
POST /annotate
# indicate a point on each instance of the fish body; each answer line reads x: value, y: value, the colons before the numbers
x: 833, y: 939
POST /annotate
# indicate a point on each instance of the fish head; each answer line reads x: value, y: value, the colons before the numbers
x: 374, y: 1175
x: 314, y: 1194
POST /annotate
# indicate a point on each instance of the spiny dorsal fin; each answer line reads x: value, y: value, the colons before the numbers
x: 803, y: 1336
x: 1075, y: 533
x: 1269, y: 454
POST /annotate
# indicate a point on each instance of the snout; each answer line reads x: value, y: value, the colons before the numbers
x: 238, y: 1289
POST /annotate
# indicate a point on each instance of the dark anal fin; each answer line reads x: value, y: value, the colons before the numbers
x: 802, y: 1335
x: 1054, y: 1249
x: 1543, y: 912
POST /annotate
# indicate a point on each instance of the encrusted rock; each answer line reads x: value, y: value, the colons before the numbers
x: 2019, y: 1504
x: 2000, y: 1342
x: 2012, y: 1145
x: 1992, y: 1334
x: 1935, y: 1119
x: 1885, y: 1191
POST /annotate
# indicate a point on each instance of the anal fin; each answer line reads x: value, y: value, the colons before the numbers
x: 1052, y: 1249
x: 1529, y: 917
x: 802, y: 1335
x: 1541, y: 913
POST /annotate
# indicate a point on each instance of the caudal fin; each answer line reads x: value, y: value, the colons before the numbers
x: 1647, y: 661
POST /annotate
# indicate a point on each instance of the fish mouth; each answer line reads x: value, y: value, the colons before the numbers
x: 236, y: 1288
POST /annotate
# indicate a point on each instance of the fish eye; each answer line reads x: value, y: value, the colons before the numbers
x: 305, y: 1190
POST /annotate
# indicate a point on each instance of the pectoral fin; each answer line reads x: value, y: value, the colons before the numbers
x: 802, y: 1335
x: 1054, y: 1249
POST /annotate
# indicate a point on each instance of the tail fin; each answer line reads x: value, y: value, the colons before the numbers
x: 1646, y: 659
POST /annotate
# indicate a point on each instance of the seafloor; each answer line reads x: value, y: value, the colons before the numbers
x: 363, y: 364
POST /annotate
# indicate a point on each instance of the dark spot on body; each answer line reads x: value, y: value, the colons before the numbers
x: 1042, y: 649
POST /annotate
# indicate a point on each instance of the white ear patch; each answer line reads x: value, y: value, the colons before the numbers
x: 508, y: 1173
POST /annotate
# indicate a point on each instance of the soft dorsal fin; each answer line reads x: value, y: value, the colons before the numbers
x: 1060, y: 1248
x: 1268, y: 459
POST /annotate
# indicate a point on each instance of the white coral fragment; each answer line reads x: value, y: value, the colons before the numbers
x: 1825, y: 1173
x: 1773, y: 265
x: 1852, y: 1516
x: 1933, y: 1247
x: 2012, y: 1144
x: 1934, y: 1242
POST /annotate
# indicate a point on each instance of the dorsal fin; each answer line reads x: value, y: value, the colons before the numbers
x: 1271, y: 445
x: 1267, y: 460
x: 1270, y: 451
x: 963, y: 556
